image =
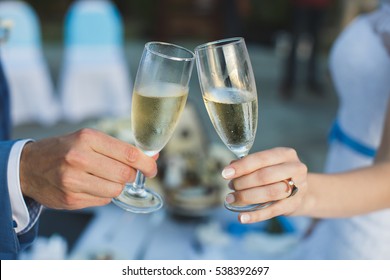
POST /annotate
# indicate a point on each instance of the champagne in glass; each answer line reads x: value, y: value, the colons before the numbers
x: 152, y: 126
x: 233, y: 113
x: 159, y: 96
x: 229, y: 93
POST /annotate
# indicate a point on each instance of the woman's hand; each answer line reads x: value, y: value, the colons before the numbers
x: 262, y: 177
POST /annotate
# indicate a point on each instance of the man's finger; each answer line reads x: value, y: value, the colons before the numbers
x: 121, y: 151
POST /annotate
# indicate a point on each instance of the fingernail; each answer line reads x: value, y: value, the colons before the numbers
x: 230, y: 185
x: 244, y: 218
x: 230, y: 198
x: 228, y: 172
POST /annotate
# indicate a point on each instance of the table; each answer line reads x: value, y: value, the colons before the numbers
x: 118, y: 234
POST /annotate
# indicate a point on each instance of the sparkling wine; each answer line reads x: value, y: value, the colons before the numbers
x: 155, y: 113
x: 234, y: 116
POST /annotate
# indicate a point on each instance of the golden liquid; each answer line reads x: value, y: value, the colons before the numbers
x: 234, y: 116
x: 156, y: 110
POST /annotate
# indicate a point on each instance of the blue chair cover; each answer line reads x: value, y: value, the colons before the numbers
x: 31, y: 89
x: 25, y: 23
x: 93, y: 23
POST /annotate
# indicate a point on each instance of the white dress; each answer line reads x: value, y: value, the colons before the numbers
x: 360, y: 67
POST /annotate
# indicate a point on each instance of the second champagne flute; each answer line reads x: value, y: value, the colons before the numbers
x: 229, y: 93
x: 159, y: 96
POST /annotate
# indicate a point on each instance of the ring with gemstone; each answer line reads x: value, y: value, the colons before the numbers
x: 293, y: 188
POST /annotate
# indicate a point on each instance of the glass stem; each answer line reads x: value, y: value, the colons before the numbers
x: 139, y: 183
x: 137, y: 188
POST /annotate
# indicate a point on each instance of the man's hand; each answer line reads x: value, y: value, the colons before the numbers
x: 83, y: 169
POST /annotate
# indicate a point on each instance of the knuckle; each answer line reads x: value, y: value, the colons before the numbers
x: 257, y: 216
x: 106, y: 201
x: 262, y: 175
x: 248, y: 197
x: 131, y: 154
x: 102, y: 202
x: 273, y: 193
x: 116, y: 190
x: 149, y: 168
x: 132, y: 176
x: 302, y: 168
x: 290, y: 211
x: 243, y: 166
x: 240, y: 197
x: 85, y: 133
x: 66, y: 179
x: 272, y: 212
x: 290, y: 152
x: 75, y: 158
x: 69, y: 201
x: 235, y: 184
x: 279, y: 150
x: 125, y: 174
x: 276, y: 210
x: 292, y: 206
x: 152, y: 169
x: 262, y: 158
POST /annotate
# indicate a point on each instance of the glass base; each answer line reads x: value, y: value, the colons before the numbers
x: 248, y: 208
x: 138, y: 201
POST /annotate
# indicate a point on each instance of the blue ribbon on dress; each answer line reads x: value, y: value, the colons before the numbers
x: 339, y: 135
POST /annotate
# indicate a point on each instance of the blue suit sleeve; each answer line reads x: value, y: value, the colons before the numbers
x: 10, y: 242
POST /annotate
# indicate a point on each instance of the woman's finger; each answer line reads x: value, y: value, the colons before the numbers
x: 270, y: 175
x: 282, y: 207
x: 259, y: 160
x: 272, y: 192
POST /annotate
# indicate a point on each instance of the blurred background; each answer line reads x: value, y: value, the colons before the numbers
x: 72, y: 64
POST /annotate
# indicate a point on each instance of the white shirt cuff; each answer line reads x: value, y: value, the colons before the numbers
x: 20, y: 211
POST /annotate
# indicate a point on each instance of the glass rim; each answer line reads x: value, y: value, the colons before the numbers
x: 147, y: 46
x: 220, y: 43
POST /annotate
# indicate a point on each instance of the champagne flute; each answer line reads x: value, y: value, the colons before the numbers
x: 159, y: 96
x: 229, y: 93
